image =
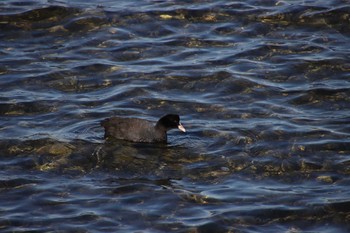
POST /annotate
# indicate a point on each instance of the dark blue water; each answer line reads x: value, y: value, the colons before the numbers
x: 262, y: 88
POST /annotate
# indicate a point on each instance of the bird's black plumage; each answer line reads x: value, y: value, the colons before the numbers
x: 139, y: 130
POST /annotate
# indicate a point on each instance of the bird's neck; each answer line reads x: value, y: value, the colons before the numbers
x: 160, y: 127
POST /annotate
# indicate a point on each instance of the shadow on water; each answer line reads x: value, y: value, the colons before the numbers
x: 120, y: 158
x: 249, y: 156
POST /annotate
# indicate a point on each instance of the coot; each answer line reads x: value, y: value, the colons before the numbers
x: 139, y: 130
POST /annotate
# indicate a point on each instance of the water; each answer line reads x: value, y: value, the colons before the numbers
x: 262, y: 88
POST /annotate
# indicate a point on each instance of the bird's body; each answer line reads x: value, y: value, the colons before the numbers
x: 139, y: 130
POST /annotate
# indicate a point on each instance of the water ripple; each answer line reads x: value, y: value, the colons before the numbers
x: 261, y: 86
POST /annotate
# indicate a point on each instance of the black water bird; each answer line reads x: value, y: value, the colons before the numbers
x: 139, y: 130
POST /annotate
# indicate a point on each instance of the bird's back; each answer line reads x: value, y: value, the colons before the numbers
x: 132, y: 129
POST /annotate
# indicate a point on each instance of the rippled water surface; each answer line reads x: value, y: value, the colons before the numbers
x: 262, y: 88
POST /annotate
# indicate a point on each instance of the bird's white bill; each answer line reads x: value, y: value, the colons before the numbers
x: 180, y: 127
